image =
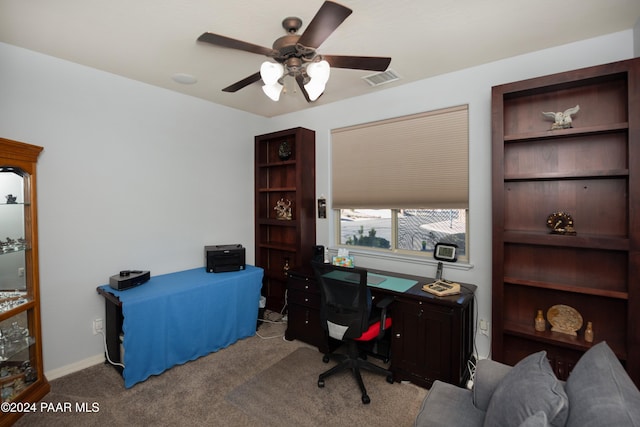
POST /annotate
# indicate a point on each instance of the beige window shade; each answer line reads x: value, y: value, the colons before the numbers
x: 417, y: 161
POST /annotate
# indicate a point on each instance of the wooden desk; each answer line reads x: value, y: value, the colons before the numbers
x: 432, y: 337
x: 177, y: 317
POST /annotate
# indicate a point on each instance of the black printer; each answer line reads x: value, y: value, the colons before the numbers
x: 221, y: 258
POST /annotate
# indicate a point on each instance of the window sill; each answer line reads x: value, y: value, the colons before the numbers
x: 394, y: 256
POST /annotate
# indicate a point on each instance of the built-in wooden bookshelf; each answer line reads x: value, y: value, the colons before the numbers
x: 285, y: 173
x: 590, y: 171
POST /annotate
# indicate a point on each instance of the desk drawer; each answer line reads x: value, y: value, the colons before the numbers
x: 306, y: 299
x: 302, y: 283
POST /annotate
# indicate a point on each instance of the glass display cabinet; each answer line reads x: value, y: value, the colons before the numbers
x: 22, y: 379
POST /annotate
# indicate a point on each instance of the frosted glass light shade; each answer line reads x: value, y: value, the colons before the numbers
x: 270, y: 72
x: 319, y: 71
x: 273, y: 91
x: 319, y: 74
x: 314, y: 89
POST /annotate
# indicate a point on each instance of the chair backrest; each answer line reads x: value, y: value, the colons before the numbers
x: 344, y: 300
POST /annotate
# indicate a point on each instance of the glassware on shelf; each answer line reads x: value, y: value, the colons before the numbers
x: 540, y: 323
x: 588, y: 332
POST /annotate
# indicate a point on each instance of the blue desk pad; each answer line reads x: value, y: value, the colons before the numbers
x: 178, y: 317
x: 390, y: 283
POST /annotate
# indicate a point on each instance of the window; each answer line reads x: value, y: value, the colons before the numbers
x: 402, y: 184
x: 403, y: 229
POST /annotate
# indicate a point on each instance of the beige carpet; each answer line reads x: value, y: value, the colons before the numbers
x: 207, y: 392
x: 288, y: 391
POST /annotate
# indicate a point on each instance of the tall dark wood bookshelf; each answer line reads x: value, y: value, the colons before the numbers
x: 284, y: 171
x: 590, y: 171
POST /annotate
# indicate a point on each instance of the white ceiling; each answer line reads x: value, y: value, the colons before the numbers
x: 152, y: 40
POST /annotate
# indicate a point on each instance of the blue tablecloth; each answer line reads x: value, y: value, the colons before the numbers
x: 177, y: 317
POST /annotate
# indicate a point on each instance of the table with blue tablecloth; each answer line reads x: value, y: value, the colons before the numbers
x: 177, y: 317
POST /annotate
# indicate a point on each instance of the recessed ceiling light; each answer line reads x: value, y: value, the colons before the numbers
x: 183, y: 78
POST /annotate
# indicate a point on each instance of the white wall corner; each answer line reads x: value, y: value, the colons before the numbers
x: 74, y: 367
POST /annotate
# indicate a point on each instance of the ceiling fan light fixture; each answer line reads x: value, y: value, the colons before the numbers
x: 273, y: 91
x: 319, y: 71
x: 270, y: 72
x: 314, y: 89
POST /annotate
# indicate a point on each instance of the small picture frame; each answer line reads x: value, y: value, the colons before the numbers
x: 446, y: 252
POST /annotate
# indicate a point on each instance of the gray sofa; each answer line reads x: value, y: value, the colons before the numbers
x: 598, y: 392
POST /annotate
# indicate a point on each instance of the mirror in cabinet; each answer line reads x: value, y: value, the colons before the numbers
x: 12, y: 243
x: 21, y: 368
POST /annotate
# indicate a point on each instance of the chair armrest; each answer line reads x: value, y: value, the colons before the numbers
x: 383, y: 304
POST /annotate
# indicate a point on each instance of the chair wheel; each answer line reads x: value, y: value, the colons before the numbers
x: 326, y: 358
x: 365, y: 399
x: 390, y: 379
x: 320, y: 383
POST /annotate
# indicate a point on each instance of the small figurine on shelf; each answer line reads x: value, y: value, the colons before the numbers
x: 561, y: 223
x: 283, y: 209
x: 561, y: 119
x: 286, y: 267
x: 588, y: 332
x: 284, y: 150
x: 11, y: 199
x: 540, y: 323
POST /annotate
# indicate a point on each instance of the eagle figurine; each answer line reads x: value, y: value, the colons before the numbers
x: 562, y: 120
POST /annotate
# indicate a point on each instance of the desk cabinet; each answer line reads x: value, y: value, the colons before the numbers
x: 303, y: 298
x: 432, y: 337
x: 432, y: 340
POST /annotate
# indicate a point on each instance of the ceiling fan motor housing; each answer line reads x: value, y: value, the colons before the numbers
x: 291, y: 24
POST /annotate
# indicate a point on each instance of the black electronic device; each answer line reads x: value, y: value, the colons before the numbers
x: 318, y: 253
x: 128, y: 279
x: 446, y: 252
x: 224, y: 258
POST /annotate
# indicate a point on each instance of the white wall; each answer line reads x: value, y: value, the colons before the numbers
x: 131, y: 177
x: 139, y: 177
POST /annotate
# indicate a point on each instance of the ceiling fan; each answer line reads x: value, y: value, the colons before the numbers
x: 296, y: 55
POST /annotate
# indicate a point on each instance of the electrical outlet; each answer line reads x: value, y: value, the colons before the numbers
x: 97, y: 326
x: 484, y: 327
x: 20, y: 271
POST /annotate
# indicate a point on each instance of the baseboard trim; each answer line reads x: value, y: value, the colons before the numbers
x: 74, y: 367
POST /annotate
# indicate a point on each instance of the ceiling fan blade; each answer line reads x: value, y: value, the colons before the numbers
x: 300, y: 80
x: 373, y: 63
x: 228, y: 42
x: 243, y: 83
x: 328, y: 18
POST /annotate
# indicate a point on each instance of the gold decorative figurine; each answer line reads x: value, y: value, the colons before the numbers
x: 283, y: 209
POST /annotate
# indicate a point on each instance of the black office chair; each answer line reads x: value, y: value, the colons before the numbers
x: 347, y: 314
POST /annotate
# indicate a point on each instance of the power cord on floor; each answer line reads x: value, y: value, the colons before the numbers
x: 281, y: 321
x: 106, y: 352
x: 471, y: 366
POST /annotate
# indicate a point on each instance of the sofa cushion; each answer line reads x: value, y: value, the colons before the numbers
x: 447, y: 405
x: 527, y: 389
x: 489, y: 373
x: 600, y: 391
x: 539, y: 419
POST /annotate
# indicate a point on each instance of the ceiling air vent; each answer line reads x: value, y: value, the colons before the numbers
x: 381, y: 78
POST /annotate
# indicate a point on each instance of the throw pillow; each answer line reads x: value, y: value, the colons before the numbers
x: 539, y: 419
x: 601, y: 392
x: 529, y: 388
